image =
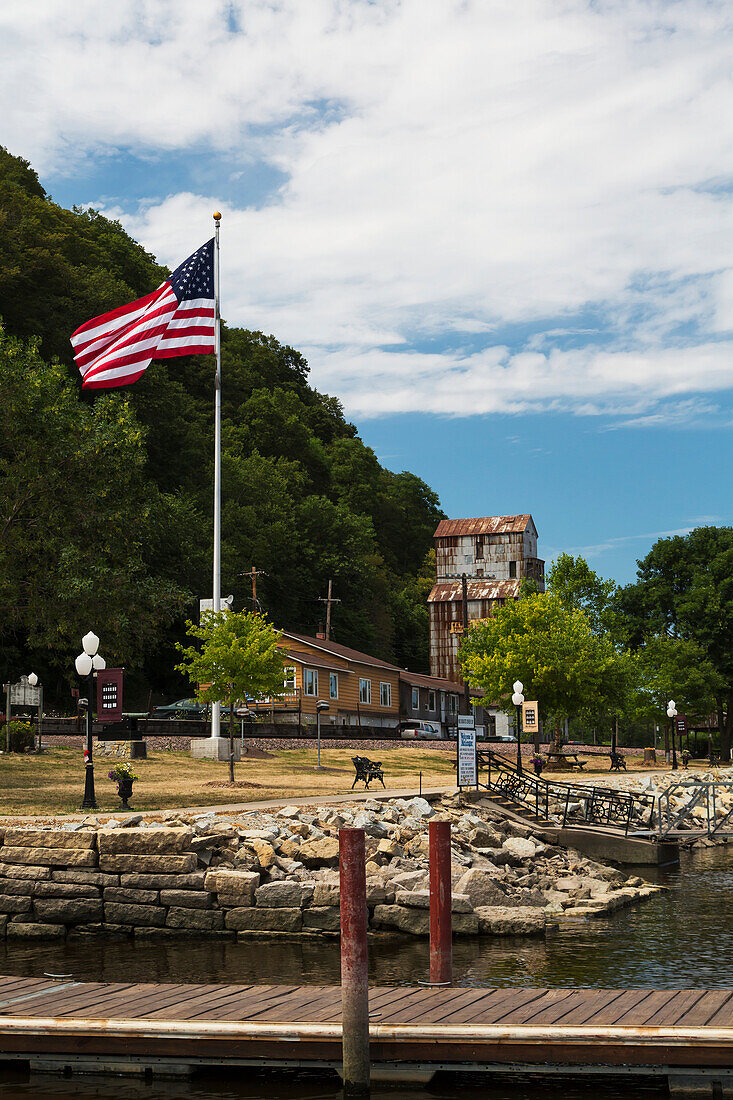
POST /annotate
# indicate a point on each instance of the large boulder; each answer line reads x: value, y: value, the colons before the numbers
x: 14, y: 903
x: 125, y: 895
x: 263, y: 919
x: 203, y: 920
x: 143, y: 915
x: 49, y: 857
x: 519, y: 921
x: 420, y: 899
x: 50, y: 838
x: 284, y: 895
x: 521, y: 847
x: 481, y: 888
x: 68, y: 910
x: 418, y: 807
x: 320, y: 853
x: 129, y: 863
x: 322, y: 919
x: 238, y: 886
x: 145, y: 842
x: 191, y: 881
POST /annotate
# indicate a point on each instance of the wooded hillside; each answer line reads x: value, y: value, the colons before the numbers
x: 105, y: 502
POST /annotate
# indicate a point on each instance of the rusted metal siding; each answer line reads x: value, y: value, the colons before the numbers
x: 496, y: 553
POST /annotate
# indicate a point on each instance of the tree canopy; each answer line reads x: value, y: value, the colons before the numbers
x: 684, y: 591
x: 237, y: 658
x: 303, y: 498
x: 552, y: 649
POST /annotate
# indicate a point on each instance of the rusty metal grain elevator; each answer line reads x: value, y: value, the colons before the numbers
x: 496, y: 553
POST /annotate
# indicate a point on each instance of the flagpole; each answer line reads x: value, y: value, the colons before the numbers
x: 215, y: 712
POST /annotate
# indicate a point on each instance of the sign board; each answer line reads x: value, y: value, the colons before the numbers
x: 225, y: 604
x: 681, y: 723
x: 530, y: 717
x: 466, y: 756
x: 456, y: 628
x: 466, y: 722
x: 109, y: 694
x: 22, y: 694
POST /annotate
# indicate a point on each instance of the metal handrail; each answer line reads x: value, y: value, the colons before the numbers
x: 602, y: 806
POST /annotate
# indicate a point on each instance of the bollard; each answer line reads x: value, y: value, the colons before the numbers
x: 441, y: 927
x: 354, y: 974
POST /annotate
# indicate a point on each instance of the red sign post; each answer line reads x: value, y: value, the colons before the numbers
x: 109, y: 694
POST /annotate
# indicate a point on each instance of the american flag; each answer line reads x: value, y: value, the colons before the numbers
x: 115, y: 348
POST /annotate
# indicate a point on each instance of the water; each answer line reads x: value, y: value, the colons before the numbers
x: 681, y: 938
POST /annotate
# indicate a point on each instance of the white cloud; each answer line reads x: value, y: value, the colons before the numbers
x: 453, y: 168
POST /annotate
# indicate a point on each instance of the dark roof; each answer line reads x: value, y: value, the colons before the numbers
x: 435, y: 683
x: 340, y: 651
x: 486, y: 525
x: 450, y: 591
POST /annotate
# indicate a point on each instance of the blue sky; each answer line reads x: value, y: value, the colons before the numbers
x: 500, y: 233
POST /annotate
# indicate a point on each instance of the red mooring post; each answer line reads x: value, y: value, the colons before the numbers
x: 441, y: 927
x: 354, y: 967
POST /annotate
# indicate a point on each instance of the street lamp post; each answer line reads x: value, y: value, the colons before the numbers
x: 321, y: 705
x: 672, y: 714
x: 518, y: 699
x: 87, y: 663
x: 33, y: 681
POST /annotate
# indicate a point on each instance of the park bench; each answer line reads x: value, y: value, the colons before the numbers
x: 617, y: 762
x: 366, y: 771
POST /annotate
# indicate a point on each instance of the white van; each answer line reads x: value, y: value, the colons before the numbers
x: 413, y: 728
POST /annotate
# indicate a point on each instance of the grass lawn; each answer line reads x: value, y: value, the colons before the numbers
x: 53, y: 783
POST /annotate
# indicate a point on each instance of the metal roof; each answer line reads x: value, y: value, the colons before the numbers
x: 450, y: 591
x: 435, y: 683
x: 486, y: 525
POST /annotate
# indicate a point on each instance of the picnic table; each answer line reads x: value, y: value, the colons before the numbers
x: 572, y: 759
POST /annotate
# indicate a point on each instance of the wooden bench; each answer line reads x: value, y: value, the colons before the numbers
x: 572, y: 759
x: 366, y: 771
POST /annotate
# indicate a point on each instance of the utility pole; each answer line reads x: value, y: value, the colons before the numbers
x: 464, y: 605
x: 254, y: 574
x: 328, y: 600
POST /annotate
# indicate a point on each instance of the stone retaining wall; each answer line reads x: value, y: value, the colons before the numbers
x: 212, y: 876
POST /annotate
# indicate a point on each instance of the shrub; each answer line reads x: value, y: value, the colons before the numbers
x: 22, y: 738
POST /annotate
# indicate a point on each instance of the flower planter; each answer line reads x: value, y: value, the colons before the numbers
x: 124, y: 790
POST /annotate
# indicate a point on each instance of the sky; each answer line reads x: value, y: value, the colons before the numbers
x: 500, y: 233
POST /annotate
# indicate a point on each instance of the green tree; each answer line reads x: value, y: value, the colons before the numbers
x: 552, y: 649
x: 675, y: 668
x: 685, y: 590
x: 239, y: 658
x: 578, y: 586
x: 73, y: 510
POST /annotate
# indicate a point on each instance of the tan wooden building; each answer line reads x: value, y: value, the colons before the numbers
x: 360, y: 689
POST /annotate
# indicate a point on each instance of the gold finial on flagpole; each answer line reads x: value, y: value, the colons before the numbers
x: 217, y: 216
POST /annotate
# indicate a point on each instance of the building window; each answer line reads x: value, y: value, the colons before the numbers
x: 480, y: 546
x: 431, y: 701
x: 452, y: 704
x: 310, y: 681
x: 333, y: 685
x: 365, y: 691
x: 512, y: 569
x: 385, y: 695
x: 468, y: 559
x: 415, y: 698
x: 289, y: 678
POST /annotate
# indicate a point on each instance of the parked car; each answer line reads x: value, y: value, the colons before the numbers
x: 504, y: 738
x: 182, y: 708
x: 424, y: 731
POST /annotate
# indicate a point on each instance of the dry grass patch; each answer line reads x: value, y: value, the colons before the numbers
x: 53, y: 783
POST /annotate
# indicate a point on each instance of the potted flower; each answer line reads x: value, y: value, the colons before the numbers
x: 123, y: 775
x: 537, y: 763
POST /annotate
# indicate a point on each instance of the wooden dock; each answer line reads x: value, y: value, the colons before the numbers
x: 414, y: 1030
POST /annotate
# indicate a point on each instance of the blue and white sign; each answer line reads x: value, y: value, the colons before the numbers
x: 466, y: 750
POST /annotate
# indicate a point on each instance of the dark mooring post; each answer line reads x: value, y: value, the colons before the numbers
x: 441, y: 928
x: 354, y: 973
